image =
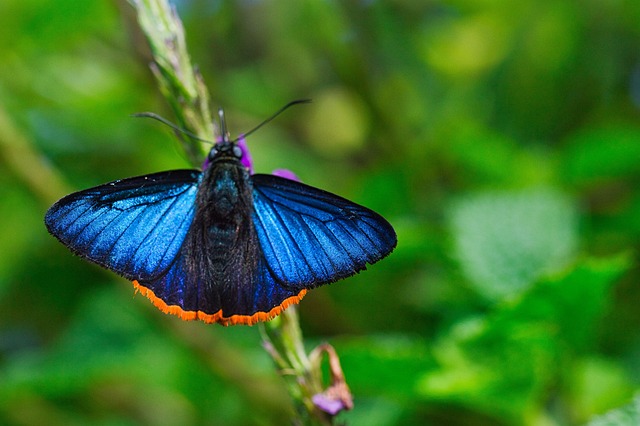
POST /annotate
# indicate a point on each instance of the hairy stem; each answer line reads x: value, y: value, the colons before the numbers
x: 179, y: 81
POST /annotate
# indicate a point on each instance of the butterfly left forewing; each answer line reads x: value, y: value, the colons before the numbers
x: 310, y: 237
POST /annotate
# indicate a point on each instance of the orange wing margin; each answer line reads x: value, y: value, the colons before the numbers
x: 218, y: 317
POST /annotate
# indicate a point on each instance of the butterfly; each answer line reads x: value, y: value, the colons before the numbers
x: 220, y: 244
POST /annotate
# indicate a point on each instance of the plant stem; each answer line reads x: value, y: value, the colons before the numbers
x: 179, y: 81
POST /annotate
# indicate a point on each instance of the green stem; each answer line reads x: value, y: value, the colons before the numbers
x: 180, y: 82
x: 282, y: 338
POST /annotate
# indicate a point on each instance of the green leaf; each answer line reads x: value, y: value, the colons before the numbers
x: 628, y: 415
x: 572, y: 301
x: 504, y: 362
x: 597, y: 385
x: 504, y: 241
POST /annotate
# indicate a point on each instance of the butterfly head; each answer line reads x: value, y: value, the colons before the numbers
x: 225, y: 147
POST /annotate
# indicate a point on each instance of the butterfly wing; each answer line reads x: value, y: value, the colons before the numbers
x: 123, y: 225
x: 311, y: 237
x: 256, y: 296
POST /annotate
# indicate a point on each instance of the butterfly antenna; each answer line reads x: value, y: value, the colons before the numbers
x: 223, y: 126
x: 170, y: 124
x: 298, y: 101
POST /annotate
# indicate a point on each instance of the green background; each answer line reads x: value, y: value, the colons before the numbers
x: 500, y: 138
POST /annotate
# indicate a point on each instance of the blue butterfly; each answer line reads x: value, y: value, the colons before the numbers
x: 221, y: 245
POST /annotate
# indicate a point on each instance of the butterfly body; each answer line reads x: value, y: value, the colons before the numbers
x: 221, y: 248
x: 220, y: 245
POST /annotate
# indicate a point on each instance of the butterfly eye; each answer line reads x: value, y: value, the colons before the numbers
x: 237, y: 151
x: 212, y: 153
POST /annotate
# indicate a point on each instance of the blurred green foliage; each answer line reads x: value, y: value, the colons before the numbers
x: 502, y: 140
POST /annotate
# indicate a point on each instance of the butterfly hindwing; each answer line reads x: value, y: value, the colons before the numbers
x: 260, y: 297
x: 311, y: 237
x: 133, y: 226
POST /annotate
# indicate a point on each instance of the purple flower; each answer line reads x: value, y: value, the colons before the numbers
x: 329, y: 405
x: 337, y: 396
x: 287, y: 174
x: 246, y: 155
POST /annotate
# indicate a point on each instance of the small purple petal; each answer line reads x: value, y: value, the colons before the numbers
x: 328, y: 405
x: 206, y: 163
x: 287, y: 174
x: 246, y: 156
